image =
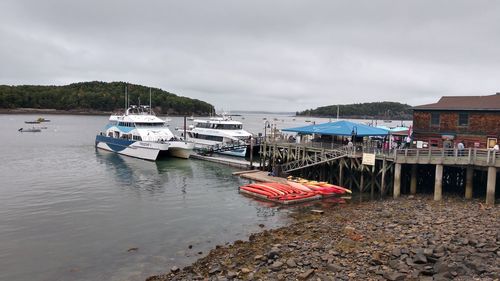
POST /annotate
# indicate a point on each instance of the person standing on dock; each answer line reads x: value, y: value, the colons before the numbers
x: 350, y: 146
x: 460, y: 147
x: 496, y: 148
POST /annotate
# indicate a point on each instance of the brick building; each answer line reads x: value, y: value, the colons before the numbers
x: 475, y: 120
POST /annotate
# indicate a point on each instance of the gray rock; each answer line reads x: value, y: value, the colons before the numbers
x: 419, y: 258
x: 396, y: 252
x: 394, y: 276
x: 258, y: 257
x: 174, y: 269
x: 306, y: 275
x: 476, y: 265
x: 441, y: 277
x: 231, y: 274
x: 291, y: 263
x: 245, y: 270
x: 334, y: 267
x: 440, y: 249
x: 276, y: 265
x: 214, y: 270
x: 386, y: 214
x: 273, y: 254
x: 428, y: 251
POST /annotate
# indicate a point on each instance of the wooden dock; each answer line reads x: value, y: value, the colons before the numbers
x: 262, y: 176
x: 237, y: 163
x: 398, y: 170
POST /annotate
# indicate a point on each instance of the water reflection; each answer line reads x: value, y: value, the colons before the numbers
x: 146, y: 175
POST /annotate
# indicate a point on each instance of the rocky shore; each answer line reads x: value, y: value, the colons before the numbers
x: 407, y: 239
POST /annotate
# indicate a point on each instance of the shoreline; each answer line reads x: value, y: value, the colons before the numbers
x: 68, y: 112
x: 412, y: 238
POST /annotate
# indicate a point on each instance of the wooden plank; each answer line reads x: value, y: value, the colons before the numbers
x: 244, y: 172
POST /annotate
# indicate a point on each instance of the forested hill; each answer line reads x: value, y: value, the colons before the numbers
x: 380, y: 110
x: 98, y: 96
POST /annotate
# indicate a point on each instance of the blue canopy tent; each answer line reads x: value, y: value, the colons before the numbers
x: 340, y: 128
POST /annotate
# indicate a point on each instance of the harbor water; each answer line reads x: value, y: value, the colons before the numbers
x: 71, y: 212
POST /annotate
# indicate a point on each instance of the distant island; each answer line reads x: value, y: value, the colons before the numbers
x: 94, y: 98
x: 380, y: 110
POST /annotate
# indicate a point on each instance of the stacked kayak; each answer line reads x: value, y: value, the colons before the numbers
x: 292, y: 191
x: 319, y: 185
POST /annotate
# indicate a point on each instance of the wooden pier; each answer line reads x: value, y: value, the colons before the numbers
x: 237, y: 163
x: 471, y: 171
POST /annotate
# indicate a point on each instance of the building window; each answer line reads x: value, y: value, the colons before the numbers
x: 463, y: 119
x: 434, y: 119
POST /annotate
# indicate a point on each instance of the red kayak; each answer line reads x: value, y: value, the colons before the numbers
x: 258, y: 191
x: 267, y: 188
x: 291, y: 197
x: 283, y: 187
x: 325, y: 190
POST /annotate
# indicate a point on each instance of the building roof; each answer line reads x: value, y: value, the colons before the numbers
x: 340, y: 128
x: 486, y: 103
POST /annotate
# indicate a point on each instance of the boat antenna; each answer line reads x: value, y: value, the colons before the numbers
x: 337, y: 112
x: 150, y: 101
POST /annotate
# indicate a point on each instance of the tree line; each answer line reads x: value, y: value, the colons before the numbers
x: 98, y: 96
x: 380, y: 110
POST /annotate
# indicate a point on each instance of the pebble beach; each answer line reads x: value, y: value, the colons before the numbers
x: 412, y: 238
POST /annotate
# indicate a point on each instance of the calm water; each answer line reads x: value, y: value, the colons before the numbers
x: 69, y: 212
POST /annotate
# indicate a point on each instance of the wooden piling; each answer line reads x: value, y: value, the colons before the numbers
x: 397, y: 181
x: 490, y: 187
x: 382, y: 181
x: 438, y: 185
x: 468, y: 182
x: 413, y: 183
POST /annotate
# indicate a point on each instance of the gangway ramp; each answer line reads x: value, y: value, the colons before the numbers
x: 312, y: 160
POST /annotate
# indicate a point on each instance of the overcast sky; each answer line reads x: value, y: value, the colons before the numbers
x: 259, y: 55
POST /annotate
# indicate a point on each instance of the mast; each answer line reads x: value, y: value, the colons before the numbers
x: 126, y: 106
x: 337, y: 112
x: 150, y: 101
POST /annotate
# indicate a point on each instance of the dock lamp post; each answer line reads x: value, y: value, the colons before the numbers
x: 267, y: 124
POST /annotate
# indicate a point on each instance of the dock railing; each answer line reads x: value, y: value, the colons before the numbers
x: 453, y: 156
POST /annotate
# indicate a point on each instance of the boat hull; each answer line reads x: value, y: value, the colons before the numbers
x: 143, y: 149
x: 180, y: 149
x: 137, y: 149
x: 238, y: 152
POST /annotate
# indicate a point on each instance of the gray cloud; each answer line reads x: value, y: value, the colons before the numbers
x: 269, y: 55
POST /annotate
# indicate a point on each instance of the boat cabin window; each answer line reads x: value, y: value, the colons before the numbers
x: 208, y: 137
x: 110, y: 134
x: 150, y: 124
x: 203, y: 125
x: 220, y: 126
x: 126, y: 124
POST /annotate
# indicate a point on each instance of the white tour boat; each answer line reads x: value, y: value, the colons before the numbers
x: 141, y: 134
x: 220, y: 134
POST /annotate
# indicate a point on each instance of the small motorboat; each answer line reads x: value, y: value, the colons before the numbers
x: 41, y: 119
x: 29, y: 130
x: 32, y: 122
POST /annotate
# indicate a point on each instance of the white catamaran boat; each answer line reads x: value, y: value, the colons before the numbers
x: 139, y: 133
x: 220, y: 134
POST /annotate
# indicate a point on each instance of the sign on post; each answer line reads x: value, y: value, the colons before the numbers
x: 368, y: 159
